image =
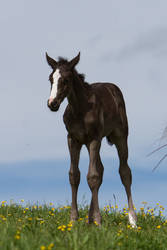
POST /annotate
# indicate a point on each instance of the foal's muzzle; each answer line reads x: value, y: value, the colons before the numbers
x: 53, y: 105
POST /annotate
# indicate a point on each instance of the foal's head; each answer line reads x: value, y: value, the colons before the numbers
x: 60, y: 79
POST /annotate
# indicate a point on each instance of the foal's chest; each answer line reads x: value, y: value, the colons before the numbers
x: 74, y: 126
x: 78, y: 127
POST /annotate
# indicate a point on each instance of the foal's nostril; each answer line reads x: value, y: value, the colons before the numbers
x: 53, y: 105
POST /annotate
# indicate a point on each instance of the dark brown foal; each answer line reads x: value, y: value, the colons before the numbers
x: 94, y: 111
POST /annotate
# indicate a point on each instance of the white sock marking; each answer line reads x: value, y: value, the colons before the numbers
x: 132, y: 221
x: 56, y: 77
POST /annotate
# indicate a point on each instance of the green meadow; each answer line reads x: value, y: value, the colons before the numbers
x: 48, y: 228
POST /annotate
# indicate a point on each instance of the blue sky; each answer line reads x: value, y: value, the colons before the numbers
x: 120, y: 42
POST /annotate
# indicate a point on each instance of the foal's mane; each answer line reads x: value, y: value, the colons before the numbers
x: 62, y: 60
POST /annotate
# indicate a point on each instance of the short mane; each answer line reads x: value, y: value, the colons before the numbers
x: 62, y: 60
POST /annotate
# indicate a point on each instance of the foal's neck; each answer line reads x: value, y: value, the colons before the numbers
x: 78, y: 95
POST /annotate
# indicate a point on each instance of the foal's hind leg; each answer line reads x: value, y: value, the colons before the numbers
x: 94, y: 178
x: 74, y: 175
x: 126, y: 176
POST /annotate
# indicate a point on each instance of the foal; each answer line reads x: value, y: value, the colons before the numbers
x: 94, y: 111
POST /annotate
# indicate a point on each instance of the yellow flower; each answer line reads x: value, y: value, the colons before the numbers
x: 62, y: 227
x: 17, y: 237
x: 159, y: 226
x: 96, y: 223
x: 22, y: 200
x: 129, y: 226
x: 139, y: 228
x: 53, y: 209
x: 42, y: 248
x: 51, y: 245
x: 3, y: 203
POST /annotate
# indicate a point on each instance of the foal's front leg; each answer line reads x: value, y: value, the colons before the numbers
x: 94, y: 178
x: 74, y: 174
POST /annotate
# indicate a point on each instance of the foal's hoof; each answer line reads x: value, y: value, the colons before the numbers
x: 132, y: 219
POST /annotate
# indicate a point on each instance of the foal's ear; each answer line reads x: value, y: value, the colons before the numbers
x: 51, y: 61
x: 74, y: 61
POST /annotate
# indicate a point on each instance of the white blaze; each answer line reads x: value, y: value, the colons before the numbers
x: 56, y: 77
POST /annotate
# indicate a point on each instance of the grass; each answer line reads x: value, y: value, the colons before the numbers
x: 48, y: 228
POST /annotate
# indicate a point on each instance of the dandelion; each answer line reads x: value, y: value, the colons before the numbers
x: 70, y: 225
x: 159, y: 226
x: 62, y: 228
x: 17, y: 236
x: 119, y: 232
x: 51, y: 245
x: 3, y: 202
x: 42, y: 248
x: 96, y: 223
